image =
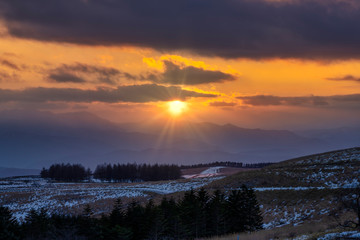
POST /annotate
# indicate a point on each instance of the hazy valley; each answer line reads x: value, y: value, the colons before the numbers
x: 33, y: 140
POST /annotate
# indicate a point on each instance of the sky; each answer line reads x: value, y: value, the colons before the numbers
x: 273, y: 64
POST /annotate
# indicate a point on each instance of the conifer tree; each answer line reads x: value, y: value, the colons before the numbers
x: 37, y: 223
x: 203, y: 201
x: 8, y: 225
x: 190, y: 214
x: 216, y: 215
x: 170, y: 211
x: 155, y: 221
x: 134, y: 220
x: 251, y: 210
x: 234, y: 212
x: 117, y: 214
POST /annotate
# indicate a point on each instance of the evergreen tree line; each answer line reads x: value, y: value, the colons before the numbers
x: 257, y: 165
x: 227, y: 164
x: 129, y: 172
x: 214, y: 164
x: 196, y: 214
x: 134, y: 172
x: 115, y: 172
x: 66, y: 172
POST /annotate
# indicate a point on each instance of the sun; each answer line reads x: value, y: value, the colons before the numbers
x: 177, y: 107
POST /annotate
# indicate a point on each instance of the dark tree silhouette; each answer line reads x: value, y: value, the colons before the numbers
x: 66, y: 172
x: 253, y: 219
x: 8, y: 225
x: 134, y: 172
x: 196, y: 215
x: 216, y: 216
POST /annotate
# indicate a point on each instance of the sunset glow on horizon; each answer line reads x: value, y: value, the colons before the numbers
x: 177, y: 107
x: 291, y: 82
x: 187, y: 110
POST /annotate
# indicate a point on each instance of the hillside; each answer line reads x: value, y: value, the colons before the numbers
x: 299, y: 194
x: 12, y: 172
x: 336, y: 169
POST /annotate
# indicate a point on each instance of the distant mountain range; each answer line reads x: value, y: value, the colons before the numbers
x: 31, y: 139
x: 15, y: 172
x: 343, y: 137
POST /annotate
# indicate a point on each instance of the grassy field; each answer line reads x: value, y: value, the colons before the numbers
x: 23, y: 194
x: 298, y: 197
x: 332, y: 169
x: 307, y: 231
x: 299, y: 193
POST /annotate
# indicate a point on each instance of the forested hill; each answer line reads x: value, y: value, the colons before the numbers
x: 339, y: 168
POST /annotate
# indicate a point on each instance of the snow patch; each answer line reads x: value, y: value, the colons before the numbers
x: 210, y: 172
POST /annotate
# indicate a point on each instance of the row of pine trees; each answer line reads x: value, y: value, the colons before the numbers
x: 66, y: 172
x: 134, y: 172
x: 128, y: 172
x: 196, y: 214
x: 115, y: 172
x: 228, y: 164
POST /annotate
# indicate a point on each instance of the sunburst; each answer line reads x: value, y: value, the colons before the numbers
x: 177, y: 107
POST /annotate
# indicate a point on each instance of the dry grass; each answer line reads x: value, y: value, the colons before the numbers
x: 312, y: 206
x: 310, y: 229
x: 7, y: 198
x: 306, y: 171
x: 276, y: 205
x: 225, y: 171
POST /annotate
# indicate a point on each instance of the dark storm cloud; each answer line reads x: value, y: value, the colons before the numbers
x: 65, y: 78
x: 188, y: 75
x: 228, y: 28
x: 80, y: 67
x: 88, y: 73
x: 132, y: 93
x: 345, y: 78
x: 269, y: 100
x: 222, y: 104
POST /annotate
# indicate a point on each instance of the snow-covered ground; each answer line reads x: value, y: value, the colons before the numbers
x: 292, y: 215
x: 23, y: 194
x: 353, y: 184
x: 303, y: 177
x: 350, y: 235
x: 210, y: 172
x: 323, y: 172
x: 332, y: 158
x: 342, y: 235
x: 329, y: 170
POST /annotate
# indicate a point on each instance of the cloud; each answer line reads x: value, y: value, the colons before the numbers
x: 270, y: 100
x: 132, y: 93
x: 4, y: 76
x: 36, y: 105
x: 222, y: 104
x: 306, y: 29
x: 65, y: 78
x: 9, y: 64
x: 189, y: 75
x: 345, y: 78
x: 80, y: 107
x: 80, y: 73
